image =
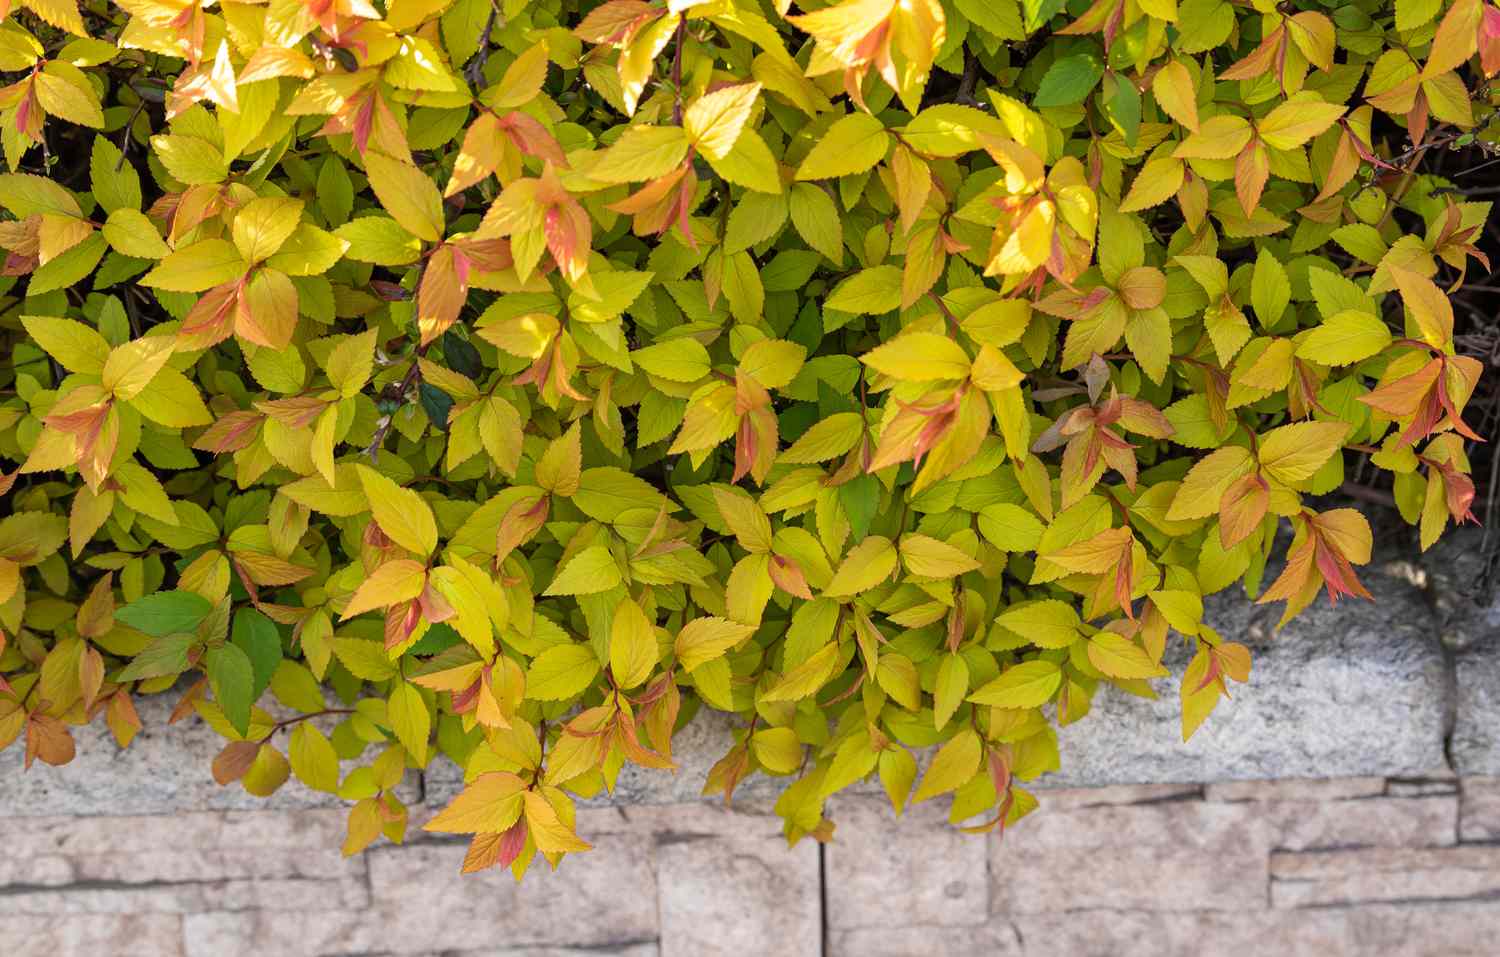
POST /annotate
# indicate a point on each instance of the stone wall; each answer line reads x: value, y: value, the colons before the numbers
x: 1347, y: 801
x: 1349, y: 866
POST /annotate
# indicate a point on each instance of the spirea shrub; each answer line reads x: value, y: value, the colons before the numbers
x: 503, y: 382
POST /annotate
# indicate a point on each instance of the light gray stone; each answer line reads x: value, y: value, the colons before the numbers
x: 1187, y: 855
x: 421, y: 904
x: 1311, y: 789
x: 167, y: 768
x: 1363, y: 822
x: 995, y: 939
x: 269, y: 833
x: 1070, y: 798
x: 1476, y: 731
x: 1190, y: 855
x: 1321, y: 878
x: 140, y: 935
x: 1353, y: 690
x: 1209, y: 933
x: 730, y: 885
x: 643, y: 949
x: 93, y: 898
x: 1376, y: 930
x: 884, y: 871
x: 604, y: 897
x: 180, y: 863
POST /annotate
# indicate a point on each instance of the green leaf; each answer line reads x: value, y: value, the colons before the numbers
x: 1349, y: 336
x: 256, y: 635
x: 1048, y: 623
x: 165, y: 612
x: 817, y: 221
x: 1026, y: 685
x: 313, y: 758
x: 590, y: 571
x: 400, y: 512
x: 1069, y: 80
x: 116, y: 184
x: 873, y: 290
x: 410, y: 719
x: 952, y: 767
x: 679, y: 360
x: 1119, y: 657
x: 232, y: 677
x: 1270, y: 290
x: 853, y: 144
x: 561, y: 672
x: 949, y: 690
x: 165, y: 656
x: 1010, y: 528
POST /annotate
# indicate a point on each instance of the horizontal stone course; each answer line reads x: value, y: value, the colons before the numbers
x: 1333, y: 867
x: 1321, y: 878
x: 37, y: 935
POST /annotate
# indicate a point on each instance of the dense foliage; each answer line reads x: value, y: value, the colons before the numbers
x: 506, y: 379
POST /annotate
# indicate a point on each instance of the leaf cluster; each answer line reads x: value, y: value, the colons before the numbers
x: 503, y: 381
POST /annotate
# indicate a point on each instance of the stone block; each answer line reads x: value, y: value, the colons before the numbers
x: 1071, y: 798
x: 1189, y: 854
x: 1476, y: 730
x: 1324, y: 878
x: 604, y: 897
x: 884, y: 871
x: 140, y: 935
x: 647, y: 948
x: 730, y: 885
x: 1355, y: 689
x: 1479, y: 809
x: 1361, y: 822
x: 1182, y: 855
x: 995, y: 939
x: 1204, y: 933
x: 180, y: 864
x: 1296, y: 789
x: 1376, y: 930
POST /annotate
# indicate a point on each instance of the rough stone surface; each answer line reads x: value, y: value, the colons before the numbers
x: 1322, y: 878
x: 941, y: 872
x: 995, y: 939
x: 1350, y: 867
x: 1476, y: 731
x: 165, y: 769
x: 1185, y: 855
x: 1479, y: 810
x: 150, y: 935
x: 1328, y: 789
x: 1411, y: 930
x: 738, y: 893
x: 1357, y: 689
